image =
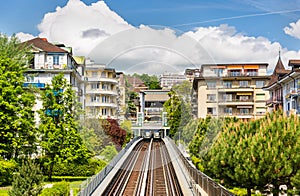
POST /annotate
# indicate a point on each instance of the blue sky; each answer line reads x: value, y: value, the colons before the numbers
x: 250, y: 18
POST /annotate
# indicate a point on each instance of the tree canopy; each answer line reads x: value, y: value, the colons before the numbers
x: 17, y: 127
x: 61, y: 141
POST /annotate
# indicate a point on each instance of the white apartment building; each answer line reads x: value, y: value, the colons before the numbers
x: 167, y: 80
x: 230, y: 90
x: 101, y: 96
x: 50, y: 60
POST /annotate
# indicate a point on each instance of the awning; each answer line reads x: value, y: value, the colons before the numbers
x: 218, y: 67
x: 244, y: 106
x: 251, y: 67
x: 244, y: 94
x: 235, y: 67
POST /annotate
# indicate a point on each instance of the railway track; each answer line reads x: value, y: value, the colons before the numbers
x: 147, y: 171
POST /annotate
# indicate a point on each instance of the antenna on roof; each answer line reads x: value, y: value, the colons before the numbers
x: 279, y: 51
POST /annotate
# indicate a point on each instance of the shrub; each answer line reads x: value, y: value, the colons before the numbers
x: 59, y: 189
x: 6, y: 171
x: 73, y: 169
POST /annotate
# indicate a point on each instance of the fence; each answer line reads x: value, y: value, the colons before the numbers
x: 201, y: 179
x: 90, y: 185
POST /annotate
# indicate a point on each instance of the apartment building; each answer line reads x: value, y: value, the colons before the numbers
x: 167, y: 80
x: 230, y: 90
x: 50, y: 60
x: 101, y: 95
x: 121, y: 96
x: 151, y: 102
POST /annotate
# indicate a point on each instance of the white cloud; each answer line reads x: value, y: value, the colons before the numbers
x: 293, y: 30
x: 101, y: 34
x: 24, y: 36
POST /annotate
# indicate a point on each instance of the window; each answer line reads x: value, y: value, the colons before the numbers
x: 244, y: 111
x: 94, y: 74
x: 227, y: 84
x: 218, y: 72
x: 228, y: 111
x: 244, y: 98
x: 211, y: 97
x: 95, y: 98
x: 211, y: 111
x: 103, y: 75
x: 105, y: 99
x: 260, y: 83
x: 95, y: 86
x: 251, y: 72
x: 243, y: 83
x: 235, y: 73
x: 55, y: 60
x: 104, y: 111
x: 211, y: 85
x: 227, y: 97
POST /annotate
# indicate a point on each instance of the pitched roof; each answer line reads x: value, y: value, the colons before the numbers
x: 278, y: 73
x: 44, y: 45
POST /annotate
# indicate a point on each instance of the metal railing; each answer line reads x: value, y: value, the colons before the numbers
x: 211, y: 187
x: 91, y: 184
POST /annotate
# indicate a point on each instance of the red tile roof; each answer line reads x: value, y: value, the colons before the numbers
x: 44, y: 45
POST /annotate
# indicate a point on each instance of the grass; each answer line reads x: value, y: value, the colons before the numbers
x: 4, y: 192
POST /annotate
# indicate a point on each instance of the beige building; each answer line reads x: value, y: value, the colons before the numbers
x: 230, y: 90
x: 101, y: 96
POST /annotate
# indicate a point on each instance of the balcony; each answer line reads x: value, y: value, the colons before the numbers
x: 237, y: 114
x: 236, y: 102
x: 100, y: 104
x: 293, y: 92
x: 99, y: 79
x: 274, y: 101
x: 101, y: 91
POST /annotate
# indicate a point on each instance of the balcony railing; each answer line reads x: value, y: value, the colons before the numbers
x: 236, y: 100
x: 275, y: 100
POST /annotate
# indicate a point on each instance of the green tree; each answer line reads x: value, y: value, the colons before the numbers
x: 61, y: 141
x: 28, y: 181
x: 126, y: 125
x: 17, y: 127
x: 256, y: 153
x: 109, y: 152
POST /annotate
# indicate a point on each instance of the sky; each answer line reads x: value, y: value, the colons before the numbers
x: 162, y: 36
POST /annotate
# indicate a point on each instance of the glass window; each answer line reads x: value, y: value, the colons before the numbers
x: 251, y: 72
x: 95, y: 86
x: 211, y: 85
x: 94, y: 74
x: 55, y: 60
x: 227, y: 84
x: 260, y: 83
x: 243, y: 83
x: 227, y: 97
x: 235, y: 73
x: 211, y: 111
x: 228, y: 111
x: 244, y: 111
x: 211, y: 97
x: 218, y: 72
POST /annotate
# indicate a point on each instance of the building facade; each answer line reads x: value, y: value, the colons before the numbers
x: 223, y: 90
x: 48, y: 61
x: 275, y: 88
x: 101, y: 95
x: 167, y: 80
x: 152, y: 102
